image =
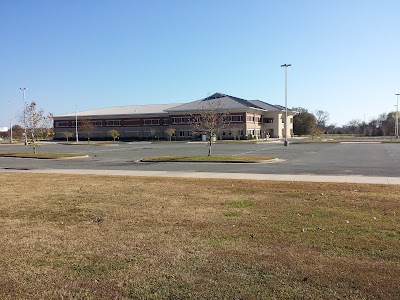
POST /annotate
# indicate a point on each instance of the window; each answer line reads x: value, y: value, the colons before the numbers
x: 151, y: 122
x: 97, y: 123
x: 197, y: 119
x: 74, y: 124
x: 113, y: 123
x: 180, y: 120
x: 62, y: 124
x: 181, y: 133
x: 165, y: 121
x: 268, y: 120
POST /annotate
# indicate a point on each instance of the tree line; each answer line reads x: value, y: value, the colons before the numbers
x: 314, y: 124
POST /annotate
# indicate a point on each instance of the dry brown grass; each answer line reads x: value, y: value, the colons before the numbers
x: 97, y: 237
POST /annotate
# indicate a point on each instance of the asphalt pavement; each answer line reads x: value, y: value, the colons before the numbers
x: 338, y: 162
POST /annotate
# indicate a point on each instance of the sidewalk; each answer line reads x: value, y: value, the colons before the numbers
x: 277, y: 177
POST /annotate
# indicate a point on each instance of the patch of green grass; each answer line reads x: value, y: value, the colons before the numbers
x: 40, y: 155
x: 241, y: 203
x: 207, y: 158
x: 232, y: 214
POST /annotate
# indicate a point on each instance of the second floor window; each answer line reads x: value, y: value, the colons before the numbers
x: 113, y: 123
x: 268, y: 120
x: 151, y: 122
x: 62, y: 124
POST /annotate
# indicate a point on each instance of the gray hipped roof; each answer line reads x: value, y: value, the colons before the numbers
x: 219, y: 100
x: 265, y: 105
x: 223, y: 101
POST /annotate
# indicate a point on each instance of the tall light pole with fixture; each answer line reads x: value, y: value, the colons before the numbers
x: 397, y: 117
x: 76, y: 124
x: 395, y: 123
x: 11, y: 133
x: 286, y: 120
x: 23, y: 95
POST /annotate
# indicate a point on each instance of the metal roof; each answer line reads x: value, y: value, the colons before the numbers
x: 264, y: 105
x: 124, y: 110
x: 223, y: 101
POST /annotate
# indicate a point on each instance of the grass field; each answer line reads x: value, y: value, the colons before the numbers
x: 100, y: 237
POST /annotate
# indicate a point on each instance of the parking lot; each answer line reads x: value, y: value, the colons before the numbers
x: 367, y: 159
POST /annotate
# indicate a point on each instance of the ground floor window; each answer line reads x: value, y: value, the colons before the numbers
x: 251, y: 132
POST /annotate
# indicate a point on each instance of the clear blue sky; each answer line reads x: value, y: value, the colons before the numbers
x: 345, y: 55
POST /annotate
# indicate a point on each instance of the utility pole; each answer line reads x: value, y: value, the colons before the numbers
x: 11, y: 133
x: 286, y: 120
x: 76, y: 124
x: 397, y: 117
x: 23, y: 95
x: 365, y: 127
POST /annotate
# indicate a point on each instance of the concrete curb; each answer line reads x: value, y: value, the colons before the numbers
x: 52, y: 158
x: 238, y: 176
x: 275, y: 160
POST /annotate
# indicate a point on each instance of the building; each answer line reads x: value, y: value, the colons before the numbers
x: 246, y: 117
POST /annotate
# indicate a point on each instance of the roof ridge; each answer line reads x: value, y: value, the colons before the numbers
x: 244, y: 101
x: 274, y: 105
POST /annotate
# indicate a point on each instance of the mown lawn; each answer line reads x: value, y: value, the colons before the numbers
x: 103, y: 237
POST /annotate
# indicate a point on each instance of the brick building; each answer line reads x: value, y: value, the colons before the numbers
x: 246, y: 117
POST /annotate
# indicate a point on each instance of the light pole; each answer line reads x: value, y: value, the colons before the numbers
x: 76, y: 124
x: 395, y: 123
x: 23, y: 95
x: 286, y: 120
x: 396, y: 130
x: 11, y: 137
x: 365, y: 125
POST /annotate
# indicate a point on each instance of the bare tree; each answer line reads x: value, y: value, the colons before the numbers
x: 169, y: 132
x: 235, y: 132
x: 46, y: 130
x: 68, y: 134
x: 86, y: 127
x: 152, y: 134
x: 36, y: 121
x: 210, y: 120
x: 354, y: 126
x: 382, y: 124
x: 321, y: 118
